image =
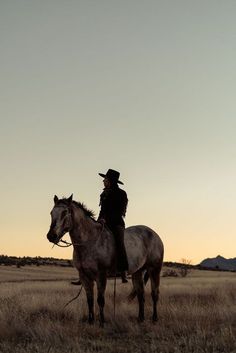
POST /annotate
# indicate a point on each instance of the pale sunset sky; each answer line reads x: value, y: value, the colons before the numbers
x: 144, y: 87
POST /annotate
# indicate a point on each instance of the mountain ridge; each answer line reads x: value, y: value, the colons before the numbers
x: 219, y: 262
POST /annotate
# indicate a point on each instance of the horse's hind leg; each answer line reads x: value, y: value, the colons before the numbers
x: 101, y: 286
x: 137, y: 279
x: 154, y: 274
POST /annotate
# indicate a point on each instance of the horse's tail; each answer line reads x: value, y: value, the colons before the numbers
x: 133, y: 293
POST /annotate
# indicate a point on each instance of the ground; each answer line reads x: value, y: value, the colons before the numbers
x: 196, y: 314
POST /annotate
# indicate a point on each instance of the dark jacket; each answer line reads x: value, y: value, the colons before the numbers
x: 113, y: 204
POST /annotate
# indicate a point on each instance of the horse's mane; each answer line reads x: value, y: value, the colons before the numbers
x: 80, y: 205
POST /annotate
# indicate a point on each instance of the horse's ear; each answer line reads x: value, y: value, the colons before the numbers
x: 70, y: 198
x: 55, y: 199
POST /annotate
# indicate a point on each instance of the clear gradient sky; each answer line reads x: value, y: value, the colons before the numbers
x: 143, y: 87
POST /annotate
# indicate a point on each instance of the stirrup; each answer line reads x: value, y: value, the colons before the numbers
x: 76, y: 283
x: 124, y: 277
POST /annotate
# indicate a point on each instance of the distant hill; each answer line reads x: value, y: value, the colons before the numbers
x: 220, y: 263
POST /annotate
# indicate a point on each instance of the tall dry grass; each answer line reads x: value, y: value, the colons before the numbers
x: 196, y: 314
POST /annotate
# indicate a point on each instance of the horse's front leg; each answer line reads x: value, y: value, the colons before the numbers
x: 137, y: 279
x: 88, y: 286
x: 101, y: 287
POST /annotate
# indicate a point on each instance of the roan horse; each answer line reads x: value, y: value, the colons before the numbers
x: 94, y: 253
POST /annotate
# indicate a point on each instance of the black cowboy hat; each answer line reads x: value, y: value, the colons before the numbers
x: 112, y: 175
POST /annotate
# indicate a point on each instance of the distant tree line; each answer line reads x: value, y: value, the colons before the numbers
x: 37, y: 261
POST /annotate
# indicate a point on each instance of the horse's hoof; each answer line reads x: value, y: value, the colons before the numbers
x: 154, y: 319
x: 141, y: 319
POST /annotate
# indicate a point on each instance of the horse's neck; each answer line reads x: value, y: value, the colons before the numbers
x: 91, y: 239
x: 84, y: 228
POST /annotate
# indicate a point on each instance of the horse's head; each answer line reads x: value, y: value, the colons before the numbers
x: 61, y: 219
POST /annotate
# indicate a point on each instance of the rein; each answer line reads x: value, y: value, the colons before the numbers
x: 70, y: 301
x: 63, y: 246
x: 114, y: 295
x: 114, y: 304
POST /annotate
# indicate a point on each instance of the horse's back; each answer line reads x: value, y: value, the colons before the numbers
x: 144, y: 247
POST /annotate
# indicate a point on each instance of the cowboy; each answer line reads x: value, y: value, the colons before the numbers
x: 113, y: 203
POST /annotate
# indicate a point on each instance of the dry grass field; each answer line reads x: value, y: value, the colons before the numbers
x: 196, y: 314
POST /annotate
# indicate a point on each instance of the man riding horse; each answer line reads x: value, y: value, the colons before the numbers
x: 113, y: 204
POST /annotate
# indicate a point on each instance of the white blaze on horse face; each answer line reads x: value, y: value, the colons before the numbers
x: 60, y: 221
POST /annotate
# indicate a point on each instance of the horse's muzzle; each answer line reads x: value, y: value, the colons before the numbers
x: 52, y: 237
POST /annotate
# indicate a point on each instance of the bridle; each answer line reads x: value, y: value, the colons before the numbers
x: 70, y: 227
x: 63, y: 246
